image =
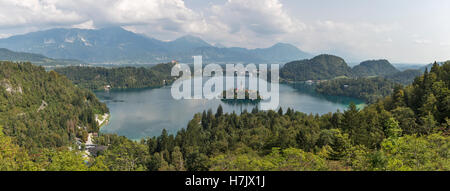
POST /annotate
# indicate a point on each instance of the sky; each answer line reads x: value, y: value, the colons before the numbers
x: 402, y: 31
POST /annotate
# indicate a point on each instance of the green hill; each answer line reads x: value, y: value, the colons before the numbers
x: 44, y: 109
x: 322, y: 67
x: 96, y: 78
x: 374, y: 68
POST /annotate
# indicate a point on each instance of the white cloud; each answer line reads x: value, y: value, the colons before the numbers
x: 355, y: 40
x: 28, y: 13
x: 5, y: 35
x: 86, y: 25
x: 258, y: 16
x: 167, y: 14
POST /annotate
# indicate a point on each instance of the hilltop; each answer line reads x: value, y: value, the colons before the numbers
x: 374, y: 68
x: 322, y: 67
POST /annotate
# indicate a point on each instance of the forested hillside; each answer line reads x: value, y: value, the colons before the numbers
x: 369, y: 89
x: 404, y: 77
x: 322, y: 67
x: 44, y: 109
x: 374, y: 68
x: 328, y: 67
x: 96, y: 78
x: 408, y: 130
x: 370, y: 80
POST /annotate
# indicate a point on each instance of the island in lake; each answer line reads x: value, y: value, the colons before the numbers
x: 247, y: 97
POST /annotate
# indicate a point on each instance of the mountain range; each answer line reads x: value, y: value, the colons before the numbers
x: 116, y: 45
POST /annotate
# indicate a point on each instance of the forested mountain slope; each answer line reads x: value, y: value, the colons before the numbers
x: 322, y: 67
x: 44, y: 109
x: 374, y: 68
x: 369, y: 89
x: 96, y: 78
x: 404, y: 77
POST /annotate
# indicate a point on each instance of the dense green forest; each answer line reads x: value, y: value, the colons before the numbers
x: 404, y: 77
x: 96, y: 78
x: 369, y: 89
x: 407, y: 130
x: 44, y: 109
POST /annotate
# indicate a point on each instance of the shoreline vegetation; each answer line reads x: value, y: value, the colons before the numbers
x: 100, y: 78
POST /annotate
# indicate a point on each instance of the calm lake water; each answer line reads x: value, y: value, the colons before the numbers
x: 140, y: 113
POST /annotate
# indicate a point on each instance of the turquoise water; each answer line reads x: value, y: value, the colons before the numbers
x: 139, y: 113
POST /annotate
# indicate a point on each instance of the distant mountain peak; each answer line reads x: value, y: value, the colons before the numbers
x: 191, y: 39
x: 116, y: 29
x: 282, y: 44
x: 219, y: 45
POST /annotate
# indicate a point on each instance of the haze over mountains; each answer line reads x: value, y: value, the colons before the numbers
x: 116, y: 45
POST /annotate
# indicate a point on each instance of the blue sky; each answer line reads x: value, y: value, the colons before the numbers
x: 409, y: 31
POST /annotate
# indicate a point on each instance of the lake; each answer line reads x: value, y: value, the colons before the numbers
x: 139, y: 113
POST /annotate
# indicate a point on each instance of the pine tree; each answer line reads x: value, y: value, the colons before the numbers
x: 280, y: 111
x: 177, y: 159
x: 219, y: 111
